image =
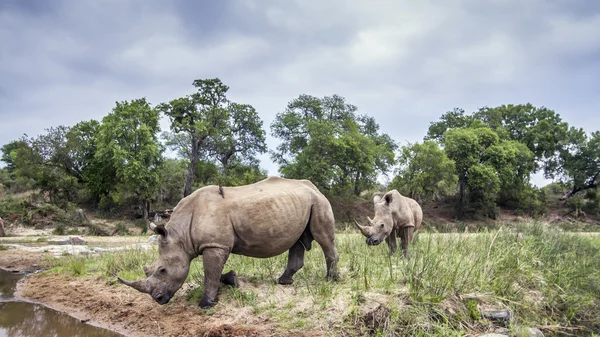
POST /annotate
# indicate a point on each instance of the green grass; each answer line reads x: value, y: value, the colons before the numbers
x: 548, y: 278
x: 3, y: 247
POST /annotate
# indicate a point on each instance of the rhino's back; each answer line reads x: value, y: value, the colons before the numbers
x: 267, y: 217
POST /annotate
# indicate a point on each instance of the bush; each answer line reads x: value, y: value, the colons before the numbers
x: 142, y: 224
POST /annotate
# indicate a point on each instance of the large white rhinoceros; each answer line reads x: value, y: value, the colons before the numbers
x: 260, y: 220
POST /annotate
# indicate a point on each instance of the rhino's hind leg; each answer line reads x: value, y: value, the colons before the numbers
x: 295, y: 262
x: 324, y: 233
x: 214, y: 260
x: 230, y: 279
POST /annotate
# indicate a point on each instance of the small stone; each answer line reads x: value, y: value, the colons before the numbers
x: 77, y: 240
x: 59, y: 241
x: 528, y: 332
x: 502, y: 316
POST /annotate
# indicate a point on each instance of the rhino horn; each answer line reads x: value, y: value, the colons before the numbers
x: 138, y: 285
x: 363, y: 229
x: 370, y: 220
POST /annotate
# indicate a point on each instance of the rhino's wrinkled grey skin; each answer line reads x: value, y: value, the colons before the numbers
x: 395, y: 215
x: 261, y: 220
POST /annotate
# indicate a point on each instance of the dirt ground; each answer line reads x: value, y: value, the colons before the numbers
x: 126, y: 311
x: 13, y: 259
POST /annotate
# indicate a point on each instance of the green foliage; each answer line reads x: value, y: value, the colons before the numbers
x: 326, y: 141
x: 207, y: 127
x: 490, y: 169
x: 141, y: 224
x: 12, y: 206
x: 121, y: 229
x: 578, y: 164
x: 425, y: 172
x: 9, y: 152
x: 127, y: 143
x: 484, y: 185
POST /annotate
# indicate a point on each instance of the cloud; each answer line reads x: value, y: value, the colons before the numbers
x: 403, y: 62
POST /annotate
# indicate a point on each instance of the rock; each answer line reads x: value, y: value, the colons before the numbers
x: 556, y: 218
x: 503, y: 316
x: 153, y: 239
x: 528, y: 332
x: 59, y: 241
x: 77, y: 240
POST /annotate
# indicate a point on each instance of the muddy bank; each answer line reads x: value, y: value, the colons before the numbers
x: 117, y: 308
x: 26, y: 318
x: 13, y: 259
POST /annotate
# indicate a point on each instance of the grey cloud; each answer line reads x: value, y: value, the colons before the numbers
x: 403, y: 62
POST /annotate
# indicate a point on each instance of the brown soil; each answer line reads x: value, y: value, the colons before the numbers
x: 118, y: 308
x: 13, y: 259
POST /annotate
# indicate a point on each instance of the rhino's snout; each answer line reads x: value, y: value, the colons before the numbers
x: 373, y: 242
x: 162, y: 299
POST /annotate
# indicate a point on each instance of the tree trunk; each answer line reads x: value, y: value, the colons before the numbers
x: 356, y: 189
x: 144, y: 211
x: 189, y: 180
x: 461, y: 192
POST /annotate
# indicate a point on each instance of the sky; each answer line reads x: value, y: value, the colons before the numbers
x: 403, y: 62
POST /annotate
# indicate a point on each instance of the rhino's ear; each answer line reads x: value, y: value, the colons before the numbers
x: 388, y: 198
x: 376, y: 198
x: 160, y: 230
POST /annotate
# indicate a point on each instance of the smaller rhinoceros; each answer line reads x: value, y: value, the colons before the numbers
x: 395, y: 215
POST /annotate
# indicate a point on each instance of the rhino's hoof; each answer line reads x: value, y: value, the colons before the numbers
x: 285, y: 280
x: 205, y: 303
x: 230, y: 279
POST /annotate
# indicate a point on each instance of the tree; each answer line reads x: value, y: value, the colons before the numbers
x: 243, y: 138
x: 489, y: 168
x: 465, y: 146
x: 205, y: 126
x: 425, y: 172
x: 578, y: 164
x: 127, y: 144
x: 540, y: 129
x: 9, y: 152
x: 324, y: 140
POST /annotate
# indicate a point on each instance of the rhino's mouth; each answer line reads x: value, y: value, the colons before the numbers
x: 373, y: 242
x: 162, y: 298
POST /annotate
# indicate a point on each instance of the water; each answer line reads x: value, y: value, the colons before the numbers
x: 24, y: 319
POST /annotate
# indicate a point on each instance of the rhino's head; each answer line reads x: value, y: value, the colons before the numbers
x: 382, y: 224
x: 168, y: 273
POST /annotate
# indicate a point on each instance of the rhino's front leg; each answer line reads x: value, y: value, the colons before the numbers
x: 214, y: 260
x: 406, y: 237
x: 391, y: 241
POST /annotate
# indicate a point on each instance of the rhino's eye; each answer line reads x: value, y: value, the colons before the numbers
x: 381, y: 225
x: 162, y: 270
